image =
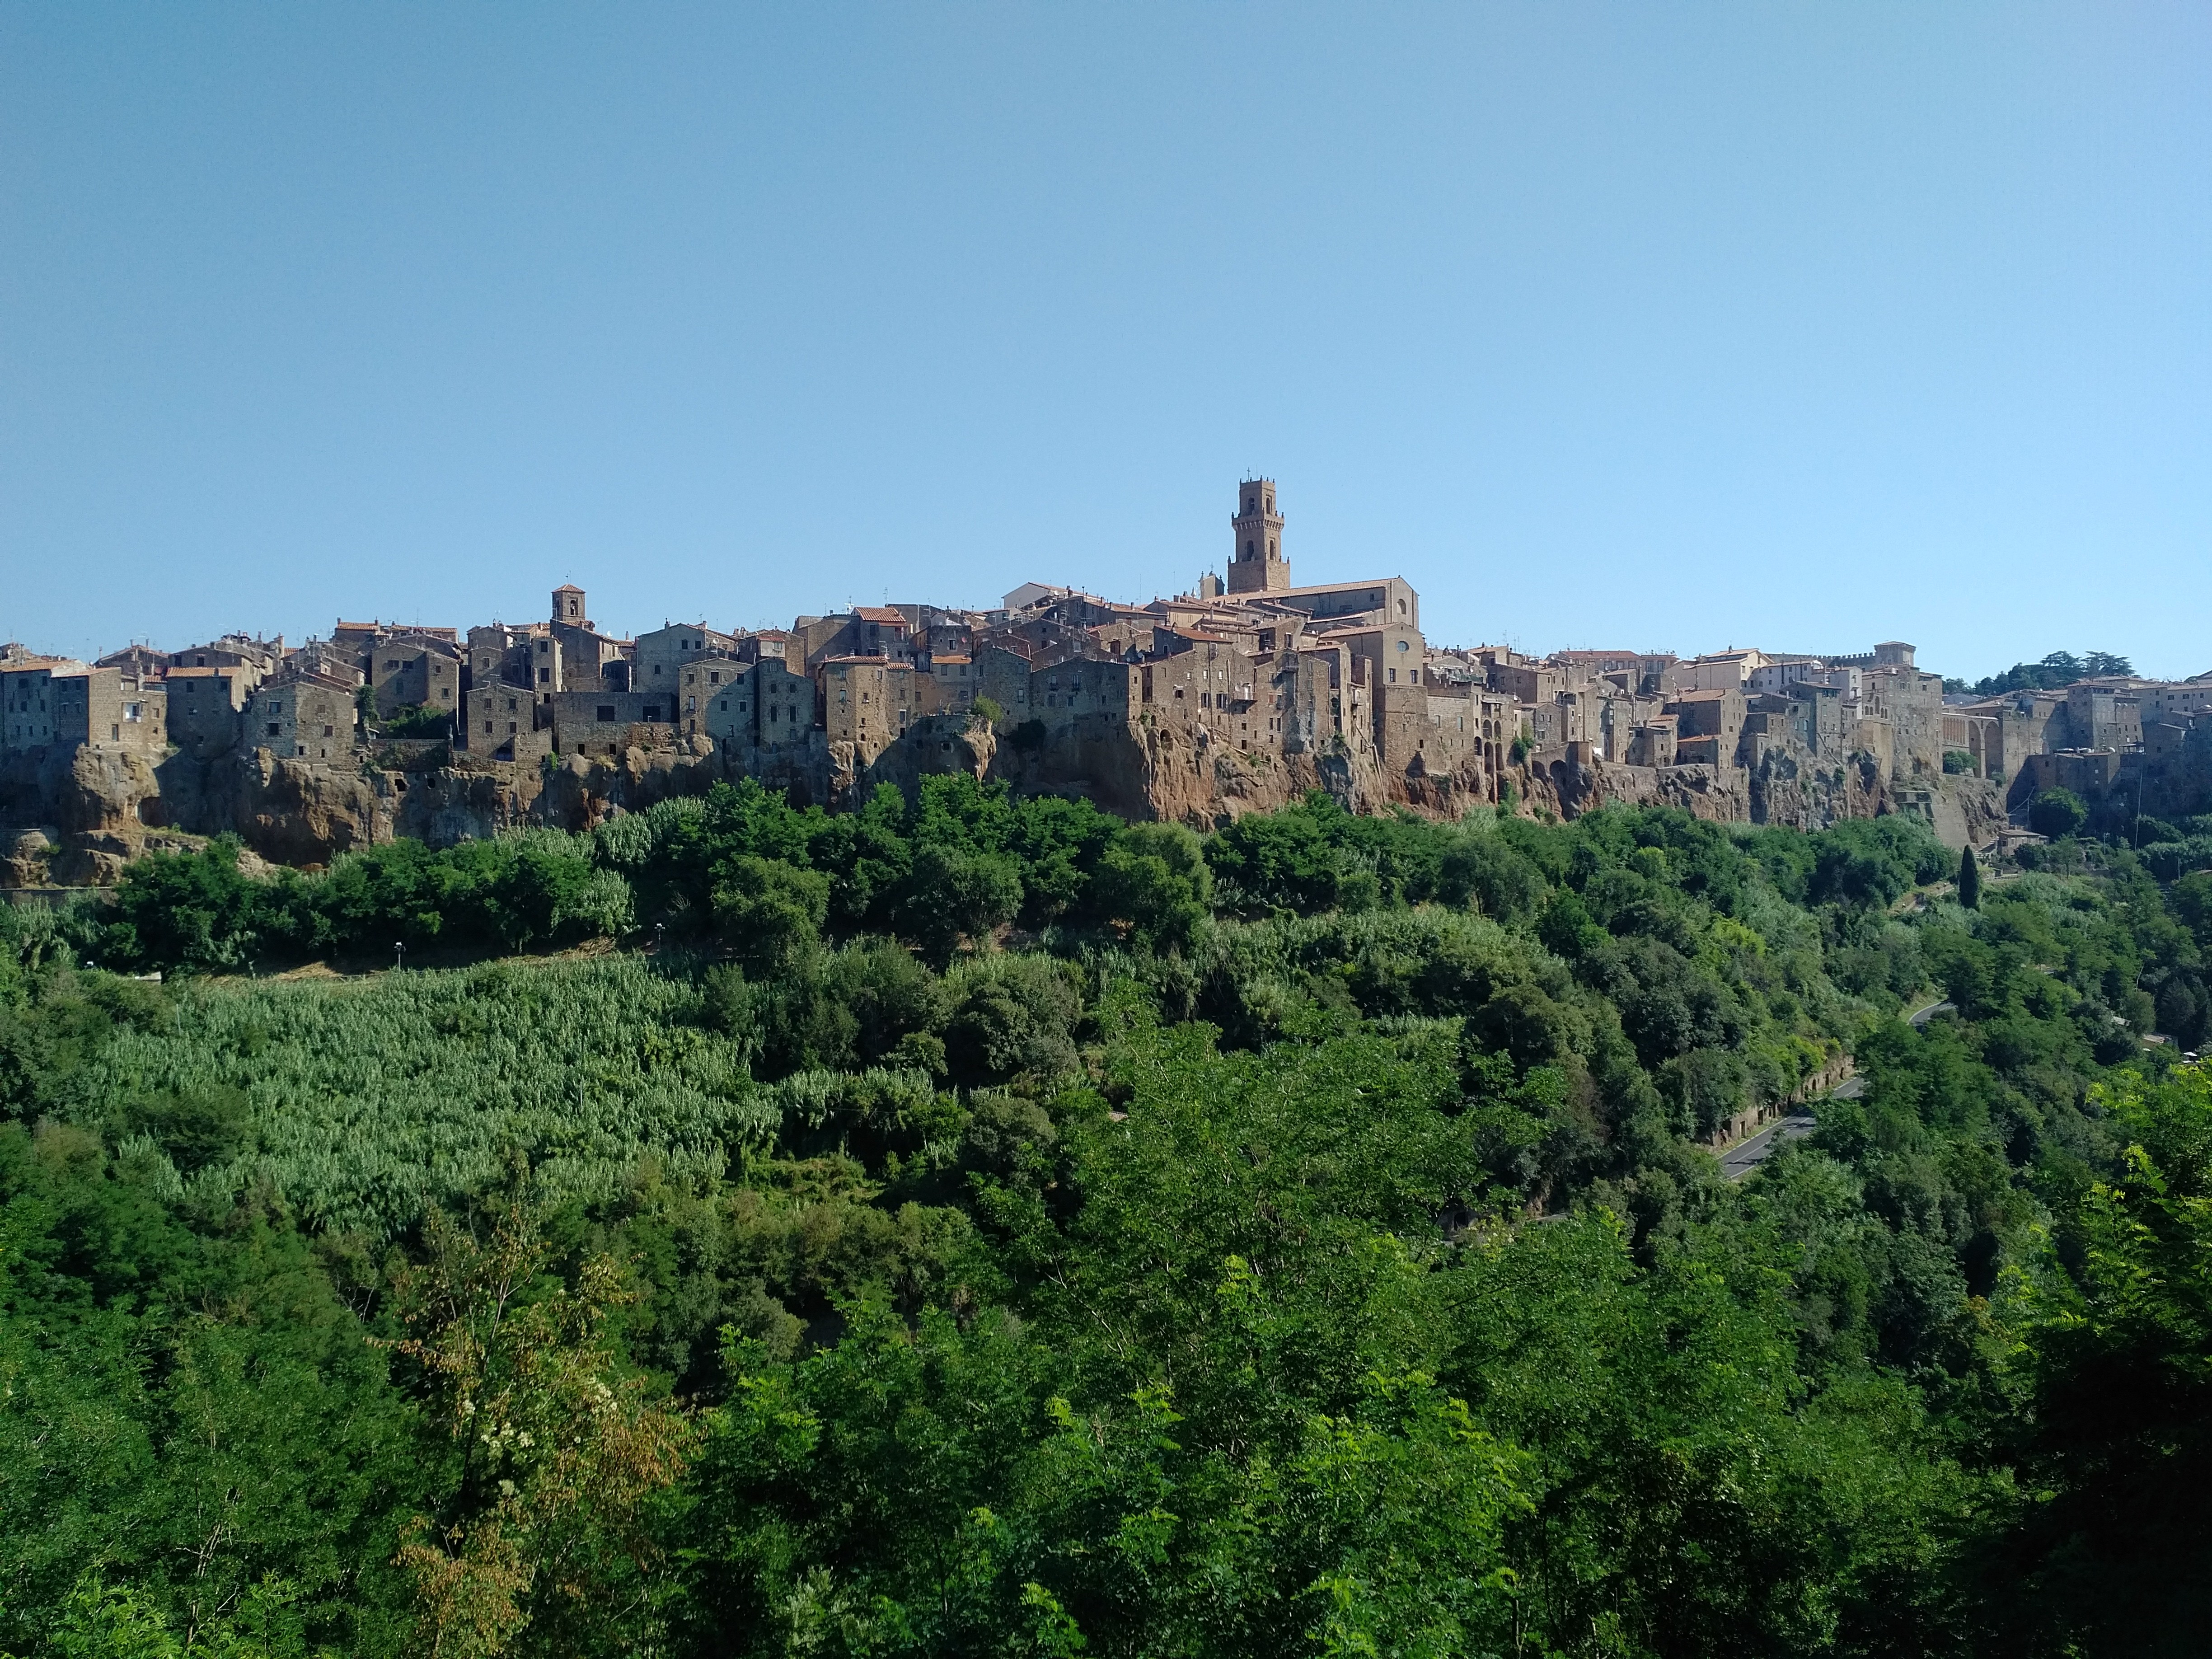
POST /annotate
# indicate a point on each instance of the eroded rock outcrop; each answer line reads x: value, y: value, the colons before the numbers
x: 77, y: 818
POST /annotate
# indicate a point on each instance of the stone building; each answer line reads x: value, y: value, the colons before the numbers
x: 502, y: 654
x: 502, y: 724
x: 326, y: 659
x: 2103, y: 714
x: 605, y: 723
x: 700, y: 682
x: 257, y: 659
x: 207, y: 707
x: 765, y: 717
x: 948, y: 684
x: 867, y: 701
x: 1911, y: 704
x: 1240, y: 693
x: 573, y: 654
x: 416, y: 670
x: 1652, y: 744
x: 1708, y: 726
x: 55, y: 702
x: 300, y: 717
x: 1256, y: 564
x: 32, y: 690
x: 659, y: 658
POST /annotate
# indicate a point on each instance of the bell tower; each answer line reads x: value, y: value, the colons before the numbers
x: 1256, y: 564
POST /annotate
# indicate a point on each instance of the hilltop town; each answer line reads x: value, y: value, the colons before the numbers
x: 1241, y: 695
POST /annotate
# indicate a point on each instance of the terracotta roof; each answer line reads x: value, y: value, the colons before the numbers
x: 568, y: 587
x: 879, y: 613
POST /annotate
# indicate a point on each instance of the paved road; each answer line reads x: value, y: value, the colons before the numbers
x: 1741, y: 1159
x: 1921, y: 1016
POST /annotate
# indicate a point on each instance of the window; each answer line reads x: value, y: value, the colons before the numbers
x: 606, y: 711
x: 274, y: 728
x: 651, y: 712
x: 329, y: 732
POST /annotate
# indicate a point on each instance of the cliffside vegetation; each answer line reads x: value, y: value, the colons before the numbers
x: 980, y: 1226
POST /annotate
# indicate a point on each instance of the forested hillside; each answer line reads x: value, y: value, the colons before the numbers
x: 974, y: 1226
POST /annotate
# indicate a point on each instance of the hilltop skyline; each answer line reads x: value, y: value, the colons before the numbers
x: 1601, y: 327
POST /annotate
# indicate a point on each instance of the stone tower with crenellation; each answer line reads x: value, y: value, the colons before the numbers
x: 1256, y: 564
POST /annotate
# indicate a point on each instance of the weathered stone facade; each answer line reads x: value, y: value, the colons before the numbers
x: 1239, y: 697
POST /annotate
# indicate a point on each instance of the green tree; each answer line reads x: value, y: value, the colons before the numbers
x: 770, y: 913
x: 2057, y: 812
x: 2118, y: 1358
x: 1970, y: 879
x: 558, y: 1451
x: 955, y: 894
x: 1154, y: 886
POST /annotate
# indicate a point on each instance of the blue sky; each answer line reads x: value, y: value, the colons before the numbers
x: 1663, y: 326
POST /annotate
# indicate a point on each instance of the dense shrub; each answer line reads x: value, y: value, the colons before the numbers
x: 984, y: 1226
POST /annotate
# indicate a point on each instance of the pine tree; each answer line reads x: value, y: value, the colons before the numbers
x: 1970, y: 879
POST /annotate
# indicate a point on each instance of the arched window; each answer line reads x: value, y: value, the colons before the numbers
x: 1248, y: 548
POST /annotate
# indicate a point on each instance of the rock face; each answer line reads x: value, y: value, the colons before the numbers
x: 76, y: 817
x: 1781, y: 790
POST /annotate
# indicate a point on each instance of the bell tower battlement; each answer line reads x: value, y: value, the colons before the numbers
x: 1256, y: 564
